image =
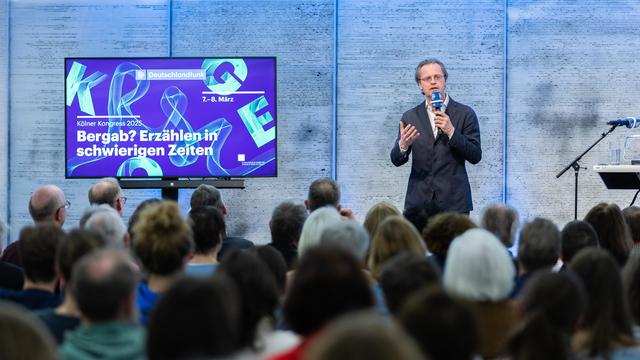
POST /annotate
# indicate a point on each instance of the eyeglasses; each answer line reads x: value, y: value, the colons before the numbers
x: 435, y: 78
x: 67, y: 204
x: 124, y: 199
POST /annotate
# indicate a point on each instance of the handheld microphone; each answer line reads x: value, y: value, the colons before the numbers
x: 436, y: 104
x: 629, y: 122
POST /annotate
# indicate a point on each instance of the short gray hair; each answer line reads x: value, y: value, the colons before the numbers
x: 478, y: 267
x: 106, y: 221
x: 206, y: 195
x: 502, y: 221
x: 431, y: 61
x: 315, y: 224
x: 349, y: 235
x: 539, y: 244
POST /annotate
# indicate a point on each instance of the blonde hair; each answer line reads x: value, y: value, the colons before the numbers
x: 393, y: 236
x: 163, y: 239
x: 377, y: 214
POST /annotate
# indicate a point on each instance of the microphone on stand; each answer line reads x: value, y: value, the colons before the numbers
x: 629, y: 122
x: 436, y: 104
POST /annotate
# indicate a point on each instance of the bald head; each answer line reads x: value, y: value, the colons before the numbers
x: 107, y: 191
x: 47, y: 203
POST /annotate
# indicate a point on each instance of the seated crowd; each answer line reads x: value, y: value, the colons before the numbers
x: 418, y: 284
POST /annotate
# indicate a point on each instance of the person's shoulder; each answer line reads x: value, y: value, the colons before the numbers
x: 414, y: 110
x: 236, y: 242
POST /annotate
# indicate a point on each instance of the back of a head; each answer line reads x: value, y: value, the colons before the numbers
x: 206, y: 195
x: 323, y: 192
x: 45, y: 202
x: 536, y: 338
x: 327, y: 284
x: 442, y: 229
x: 631, y: 280
x: 315, y: 224
x: 348, y: 234
x: 403, y: 275
x: 613, y: 232
x: 394, y: 235
x: 363, y: 336
x: 539, y: 245
x: 135, y: 216
x: 108, y: 223
x: 419, y: 216
x: 76, y: 244
x: 377, y: 214
x: 286, y: 224
x: 557, y: 296
x: 502, y: 221
x: 478, y: 267
x: 575, y: 236
x: 195, y: 318
x: 606, y: 315
x: 256, y: 287
x: 275, y: 262
x: 162, y: 238
x: 208, y: 227
x: 632, y: 217
x: 22, y: 337
x: 105, y: 191
x: 444, y: 328
x: 102, y: 282
x: 37, y: 251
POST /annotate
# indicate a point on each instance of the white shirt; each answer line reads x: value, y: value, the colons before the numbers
x: 432, y: 115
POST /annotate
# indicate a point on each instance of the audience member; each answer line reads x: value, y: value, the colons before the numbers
x: 376, y: 215
x: 632, y: 217
x: 108, y: 191
x: 480, y: 270
x: 363, y: 336
x: 328, y: 283
x: 405, y: 274
x: 419, y: 216
x: 208, y: 195
x: 196, y: 318
x: 163, y: 242
x: 538, y: 249
x: 207, y: 225
x: 103, y: 284
x: 394, y: 235
x: 46, y: 204
x: 444, y: 328
x: 286, y: 224
x: 326, y: 192
x: 135, y: 217
x: 105, y: 221
x: 502, y: 221
x: 259, y: 298
x: 22, y: 337
x: 605, y: 325
x: 349, y: 235
x: 318, y: 221
x: 11, y: 276
x: 37, y: 251
x: 440, y: 232
x: 71, y: 249
x: 276, y: 264
x: 631, y: 280
x: 575, y: 236
x: 613, y: 232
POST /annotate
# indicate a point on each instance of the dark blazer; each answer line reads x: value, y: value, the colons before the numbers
x: 438, y: 164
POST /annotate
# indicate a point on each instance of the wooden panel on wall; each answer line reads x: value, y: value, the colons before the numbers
x: 42, y: 34
x: 572, y: 66
x: 379, y: 46
x: 300, y: 34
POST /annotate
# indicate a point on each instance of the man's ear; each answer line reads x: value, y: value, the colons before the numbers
x: 306, y: 204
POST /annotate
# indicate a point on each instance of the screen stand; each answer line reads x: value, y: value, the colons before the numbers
x: 170, y: 186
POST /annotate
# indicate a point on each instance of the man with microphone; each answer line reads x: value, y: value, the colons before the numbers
x: 441, y: 135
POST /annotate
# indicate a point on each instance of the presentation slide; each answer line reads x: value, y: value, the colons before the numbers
x: 170, y: 117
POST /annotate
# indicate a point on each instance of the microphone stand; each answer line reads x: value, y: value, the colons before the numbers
x: 576, y: 167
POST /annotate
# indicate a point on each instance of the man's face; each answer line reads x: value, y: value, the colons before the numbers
x: 432, y: 79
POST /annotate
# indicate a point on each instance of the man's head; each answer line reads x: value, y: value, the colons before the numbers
x: 539, y: 245
x: 323, y: 192
x: 104, y: 284
x: 72, y: 247
x: 575, y: 236
x: 208, y: 195
x: 106, y: 221
x: 431, y: 76
x: 37, y: 251
x: 502, y: 221
x: 207, y: 224
x: 286, y: 223
x: 108, y: 191
x: 48, y: 203
x: 350, y: 235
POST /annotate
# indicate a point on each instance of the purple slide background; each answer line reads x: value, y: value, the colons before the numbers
x: 260, y: 76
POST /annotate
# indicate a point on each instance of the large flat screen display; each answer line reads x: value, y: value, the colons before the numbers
x: 170, y: 117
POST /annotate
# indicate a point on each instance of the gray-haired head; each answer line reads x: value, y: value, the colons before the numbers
x: 347, y: 234
x: 502, y: 221
x: 105, y: 221
x: 427, y: 62
x: 315, y: 224
x: 207, y: 195
x: 539, y: 244
x: 107, y: 191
